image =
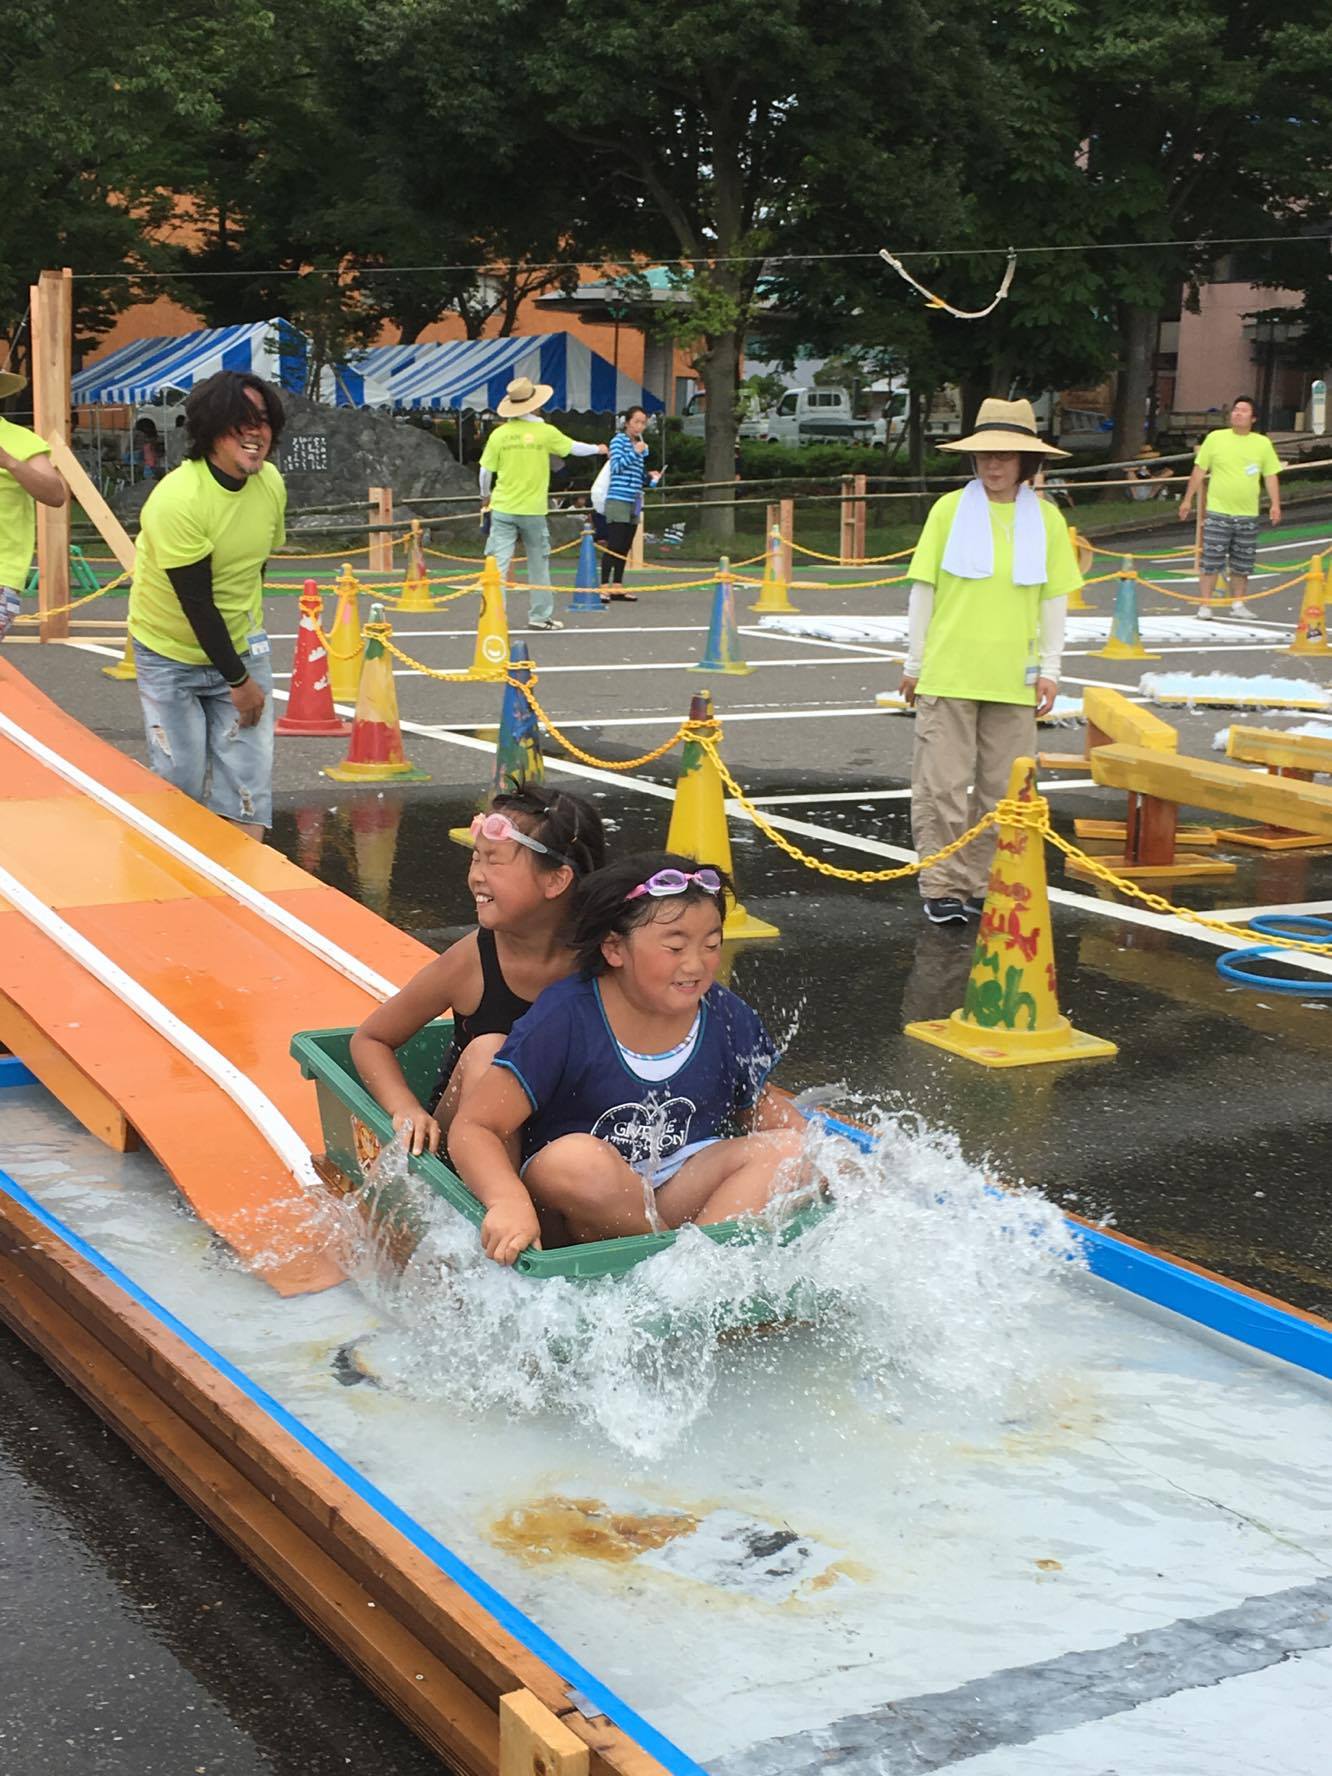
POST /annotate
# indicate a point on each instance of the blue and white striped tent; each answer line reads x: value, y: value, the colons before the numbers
x: 475, y: 373
x: 275, y: 350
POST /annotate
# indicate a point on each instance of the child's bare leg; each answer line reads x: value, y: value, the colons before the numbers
x: 586, y: 1181
x: 732, y: 1178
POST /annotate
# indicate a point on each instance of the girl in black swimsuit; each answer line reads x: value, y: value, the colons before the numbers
x: 529, y: 848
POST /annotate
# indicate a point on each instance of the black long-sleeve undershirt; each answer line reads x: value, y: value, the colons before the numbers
x: 193, y: 586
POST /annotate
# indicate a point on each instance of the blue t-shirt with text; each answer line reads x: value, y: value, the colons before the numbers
x: 565, y: 1056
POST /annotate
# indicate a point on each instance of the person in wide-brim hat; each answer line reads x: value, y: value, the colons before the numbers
x: 991, y: 575
x: 523, y: 396
x: 1005, y: 425
x: 11, y: 382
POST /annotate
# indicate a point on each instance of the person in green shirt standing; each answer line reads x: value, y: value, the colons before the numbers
x: 196, y: 614
x: 991, y: 578
x: 515, y: 484
x: 1232, y: 463
x: 25, y: 477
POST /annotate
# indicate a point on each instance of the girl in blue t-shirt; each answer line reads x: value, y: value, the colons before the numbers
x: 638, y: 1084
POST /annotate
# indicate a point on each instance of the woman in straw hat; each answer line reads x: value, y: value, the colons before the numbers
x: 515, y: 484
x: 991, y: 577
x: 25, y: 477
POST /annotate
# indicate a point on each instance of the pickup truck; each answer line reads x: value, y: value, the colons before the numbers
x: 819, y: 416
x: 753, y: 421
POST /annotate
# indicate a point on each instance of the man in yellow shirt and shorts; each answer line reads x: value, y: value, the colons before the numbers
x: 25, y: 477
x: 196, y: 614
x: 1232, y: 463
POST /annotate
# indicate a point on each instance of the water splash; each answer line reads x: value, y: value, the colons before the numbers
x: 923, y: 1283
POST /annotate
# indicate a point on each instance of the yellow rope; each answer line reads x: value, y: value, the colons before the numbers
x: 1197, y: 598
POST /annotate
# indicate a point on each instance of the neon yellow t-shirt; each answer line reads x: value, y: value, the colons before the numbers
x: 18, y: 509
x: 982, y: 641
x: 518, y: 454
x: 1236, y: 464
x: 186, y: 517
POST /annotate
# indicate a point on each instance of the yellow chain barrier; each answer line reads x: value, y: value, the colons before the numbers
x: 61, y: 610
x: 1197, y: 598
x: 853, y: 561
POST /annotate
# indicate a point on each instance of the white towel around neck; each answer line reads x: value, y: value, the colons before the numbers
x: 969, y: 551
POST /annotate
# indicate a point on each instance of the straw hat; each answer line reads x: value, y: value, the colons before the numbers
x: 1005, y: 425
x: 524, y: 396
x: 11, y: 382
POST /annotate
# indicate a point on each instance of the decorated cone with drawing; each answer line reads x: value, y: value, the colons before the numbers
x: 375, y: 754
x: 490, y: 658
x: 1124, y: 641
x: 1082, y: 554
x: 586, y: 595
x: 1010, y: 1015
x: 698, y: 821
x: 415, y: 595
x: 310, y: 701
x: 346, y: 649
x: 774, y: 596
x: 722, y: 653
x: 124, y: 666
x: 1311, y: 630
x: 518, y: 757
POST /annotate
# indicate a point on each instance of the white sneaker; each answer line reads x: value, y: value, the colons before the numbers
x: 1238, y: 608
x: 1204, y: 610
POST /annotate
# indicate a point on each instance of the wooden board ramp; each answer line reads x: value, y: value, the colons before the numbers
x: 212, y: 962
x: 1284, y: 755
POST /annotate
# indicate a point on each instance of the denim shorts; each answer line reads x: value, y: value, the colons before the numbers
x: 195, y: 740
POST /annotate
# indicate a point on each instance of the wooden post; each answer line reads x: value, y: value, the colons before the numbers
x: 860, y: 513
x: 381, y: 541
x: 786, y: 519
x: 535, y: 1742
x: 636, y: 546
x: 846, y: 547
x: 52, y: 344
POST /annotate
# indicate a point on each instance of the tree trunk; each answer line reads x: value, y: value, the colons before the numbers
x: 718, y: 367
x: 1137, y: 344
x: 972, y: 394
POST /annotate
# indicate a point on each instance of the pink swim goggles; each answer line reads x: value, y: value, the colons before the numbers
x: 498, y: 827
x: 674, y: 881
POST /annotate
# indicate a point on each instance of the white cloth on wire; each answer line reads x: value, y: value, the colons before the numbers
x: 969, y: 551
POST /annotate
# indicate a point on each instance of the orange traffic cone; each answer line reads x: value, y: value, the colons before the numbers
x: 375, y: 754
x: 310, y: 700
x: 310, y: 836
x: 415, y: 594
x: 1311, y: 630
x: 1010, y: 1015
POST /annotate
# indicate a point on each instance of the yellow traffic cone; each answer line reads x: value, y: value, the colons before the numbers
x: 1311, y: 630
x: 124, y: 666
x: 698, y: 821
x: 490, y: 661
x: 1010, y: 1014
x: 774, y: 595
x: 346, y: 645
x: 415, y: 594
x: 1082, y: 554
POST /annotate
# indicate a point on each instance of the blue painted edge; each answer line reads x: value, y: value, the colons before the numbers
x: 13, y: 1072
x: 1274, y: 1330
x: 510, y: 1618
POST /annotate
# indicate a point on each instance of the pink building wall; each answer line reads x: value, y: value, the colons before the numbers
x: 1215, y: 359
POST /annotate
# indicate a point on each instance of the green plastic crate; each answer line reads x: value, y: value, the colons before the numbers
x: 325, y: 1057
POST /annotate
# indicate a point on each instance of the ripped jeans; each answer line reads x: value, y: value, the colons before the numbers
x: 195, y: 740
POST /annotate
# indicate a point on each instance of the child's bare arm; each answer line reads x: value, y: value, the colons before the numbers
x: 480, y: 1141
x: 773, y: 1110
x: 428, y: 995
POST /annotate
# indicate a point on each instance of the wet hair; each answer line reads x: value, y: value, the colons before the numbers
x: 1248, y: 401
x: 601, y: 905
x: 567, y: 823
x: 220, y: 405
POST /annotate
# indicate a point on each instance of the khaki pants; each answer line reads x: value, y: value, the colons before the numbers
x: 963, y: 754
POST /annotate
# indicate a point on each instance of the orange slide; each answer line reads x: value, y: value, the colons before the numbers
x: 242, y: 985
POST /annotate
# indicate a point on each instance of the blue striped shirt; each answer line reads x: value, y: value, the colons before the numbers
x: 628, y: 470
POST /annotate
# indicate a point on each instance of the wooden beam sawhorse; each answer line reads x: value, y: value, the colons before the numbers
x: 1284, y: 755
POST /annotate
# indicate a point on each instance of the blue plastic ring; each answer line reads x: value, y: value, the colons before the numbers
x: 1270, y: 983
x: 1291, y: 925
